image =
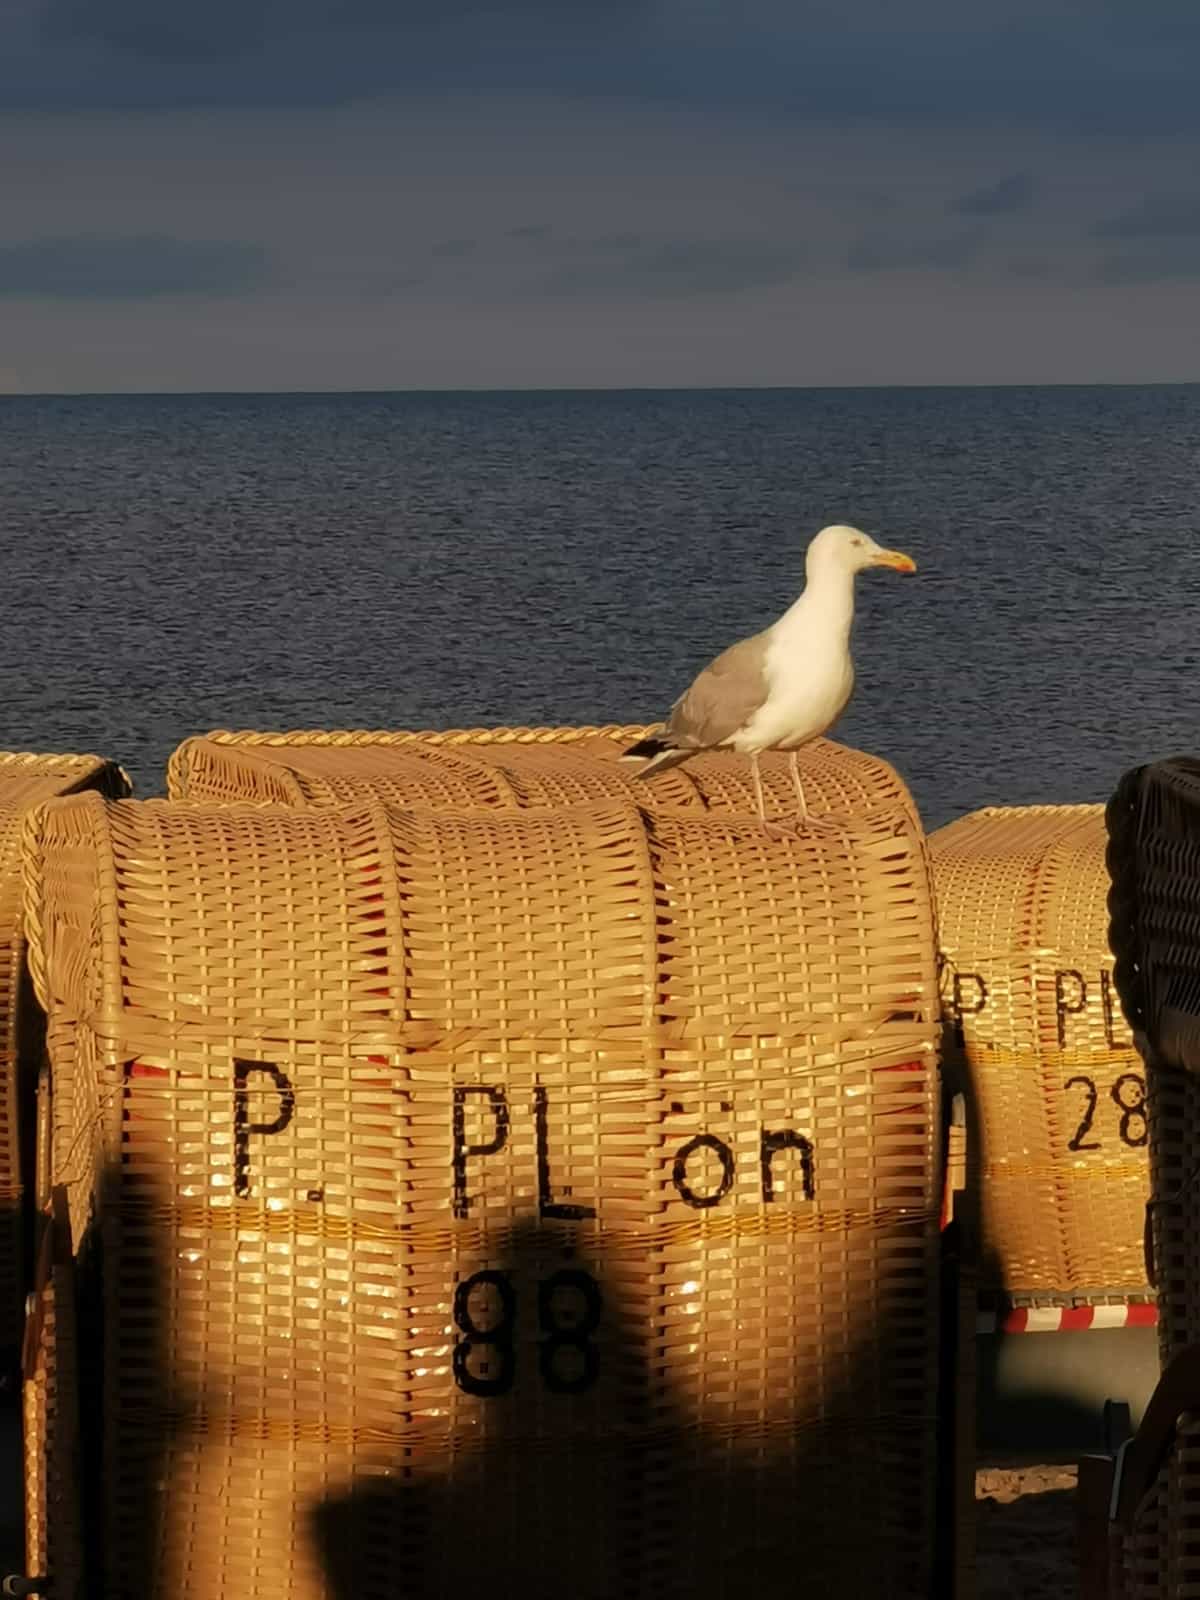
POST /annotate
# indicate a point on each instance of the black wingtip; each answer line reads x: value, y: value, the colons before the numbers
x: 644, y: 748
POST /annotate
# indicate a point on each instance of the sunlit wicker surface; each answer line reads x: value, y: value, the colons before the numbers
x: 672, y: 1081
x: 1034, y: 1029
x: 514, y: 769
x: 25, y: 781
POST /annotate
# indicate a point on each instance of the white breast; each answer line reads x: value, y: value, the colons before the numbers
x: 809, y: 684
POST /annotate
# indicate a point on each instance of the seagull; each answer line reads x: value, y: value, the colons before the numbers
x: 783, y: 686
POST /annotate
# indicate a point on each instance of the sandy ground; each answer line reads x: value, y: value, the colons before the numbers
x: 1025, y: 1533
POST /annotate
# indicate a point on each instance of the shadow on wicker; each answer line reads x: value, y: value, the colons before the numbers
x: 639, y: 1504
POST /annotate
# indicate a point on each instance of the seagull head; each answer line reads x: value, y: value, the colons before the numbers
x: 849, y: 550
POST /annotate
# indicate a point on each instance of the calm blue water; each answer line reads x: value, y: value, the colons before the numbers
x: 168, y: 565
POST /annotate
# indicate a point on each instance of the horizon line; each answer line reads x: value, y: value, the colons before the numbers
x: 579, y: 389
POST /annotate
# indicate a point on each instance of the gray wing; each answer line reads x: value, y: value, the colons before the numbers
x: 722, y: 699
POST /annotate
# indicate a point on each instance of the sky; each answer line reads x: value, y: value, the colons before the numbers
x: 398, y: 194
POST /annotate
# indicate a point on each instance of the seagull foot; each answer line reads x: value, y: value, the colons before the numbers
x: 781, y: 828
x: 822, y: 824
x: 793, y: 827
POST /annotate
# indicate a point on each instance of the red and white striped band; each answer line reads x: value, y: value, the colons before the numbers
x: 1066, y: 1319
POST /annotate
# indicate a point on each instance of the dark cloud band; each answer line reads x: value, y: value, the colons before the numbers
x: 86, y: 267
x: 932, y: 64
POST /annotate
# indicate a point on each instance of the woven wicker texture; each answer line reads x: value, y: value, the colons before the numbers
x: 513, y: 769
x: 39, y: 1390
x: 1145, y: 1554
x: 1183, y: 1512
x: 537, y: 1203
x: 963, y: 1357
x: 25, y: 781
x: 965, y: 1440
x: 1161, y: 1552
x: 53, y: 1528
x: 1055, y: 1087
x: 1174, y: 1233
x: 1162, y: 1555
x: 1153, y: 824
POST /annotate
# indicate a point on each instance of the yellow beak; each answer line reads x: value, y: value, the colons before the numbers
x: 897, y: 559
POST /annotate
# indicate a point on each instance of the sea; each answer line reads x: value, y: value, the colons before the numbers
x: 172, y: 564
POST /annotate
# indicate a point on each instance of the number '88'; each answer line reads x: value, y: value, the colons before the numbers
x: 568, y: 1312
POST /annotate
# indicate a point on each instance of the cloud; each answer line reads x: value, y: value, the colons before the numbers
x: 705, y: 209
x: 87, y: 267
x: 222, y: 30
x: 1155, y: 217
x: 935, y: 64
x: 1178, y: 262
x: 218, y: 30
x: 115, y: 54
x: 675, y: 269
x: 881, y: 253
x: 1012, y: 194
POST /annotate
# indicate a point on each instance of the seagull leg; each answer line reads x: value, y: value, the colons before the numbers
x: 794, y: 769
x: 758, y: 788
x: 805, y: 818
x: 773, y: 830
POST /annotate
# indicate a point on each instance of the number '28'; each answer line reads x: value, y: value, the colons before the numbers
x: 1128, y: 1094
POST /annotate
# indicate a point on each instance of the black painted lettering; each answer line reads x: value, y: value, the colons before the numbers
x: 568, y: 1327
x: 679, y: 1172
x: 547, y: 1205
x: 1075, y: 1142
x: 963, y: 1003
x: 1064, y: 982
x: 1110, y: 1010
x: 484, y: 1362
x: 243, y: 1127
x: 785, y: 1139
x: 1128, y: 1094
x: 499, y: 1108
